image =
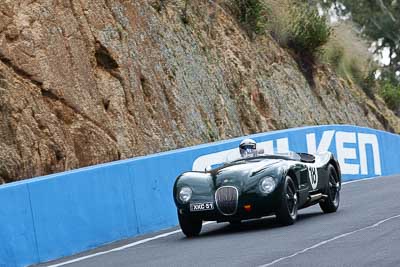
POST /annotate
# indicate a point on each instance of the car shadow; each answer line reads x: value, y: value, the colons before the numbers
x: 254, y: 225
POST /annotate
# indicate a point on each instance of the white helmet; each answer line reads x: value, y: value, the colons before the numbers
x: 248, y: 147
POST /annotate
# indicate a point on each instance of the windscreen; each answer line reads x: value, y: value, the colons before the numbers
x: 261, y: 155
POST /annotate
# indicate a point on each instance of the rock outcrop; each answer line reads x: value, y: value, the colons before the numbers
x: 86, y: 82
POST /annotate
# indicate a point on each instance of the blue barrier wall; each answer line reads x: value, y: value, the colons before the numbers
x: 58, y: 215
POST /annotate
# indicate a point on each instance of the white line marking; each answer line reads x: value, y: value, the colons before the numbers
x: 371, y: 178
x: 362, y: 180
x: 119, y: 248
x: 152, y: 238
x: 330, y: 240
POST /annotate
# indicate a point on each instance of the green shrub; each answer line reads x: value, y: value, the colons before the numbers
x: 278, y: 19
x: 368, y: 84
x: 360, y: 75
x: 351, y: 67
x: 308, y: 31
x: 391, y: 94
x: 252, y: 15
x: 355, y: 71
x: 334, y: 55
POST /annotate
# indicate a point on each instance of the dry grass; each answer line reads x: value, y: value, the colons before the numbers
x: 278, y: 20
x: 344, y: 42
x: 348, y: 54
x: 354, y: 48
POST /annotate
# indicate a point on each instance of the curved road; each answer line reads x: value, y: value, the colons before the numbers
x: 364, y: 232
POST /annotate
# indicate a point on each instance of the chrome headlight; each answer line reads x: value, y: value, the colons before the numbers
x: 185, y: 194
x: 267, y: 185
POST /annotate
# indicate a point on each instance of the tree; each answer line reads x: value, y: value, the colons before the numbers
x: 379, y: 20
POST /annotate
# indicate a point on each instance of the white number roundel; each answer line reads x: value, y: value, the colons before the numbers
x: 313, y: 175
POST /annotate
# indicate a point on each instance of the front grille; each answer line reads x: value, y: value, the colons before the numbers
x: 226, y: 199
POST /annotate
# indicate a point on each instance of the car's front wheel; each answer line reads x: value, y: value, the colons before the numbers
x: 190, y: 226
x: 287, y: 212
x: 331, y: 203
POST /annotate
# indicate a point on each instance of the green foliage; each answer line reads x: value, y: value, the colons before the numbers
x: 368, y: 84
x: 334, y: 55
x: 278, y: 20
x: 362, y: 77
x: 379, y: 20
x: 252, y: 15
x: 390, y: 92
x: 350, y: 67
x: 308, y: 31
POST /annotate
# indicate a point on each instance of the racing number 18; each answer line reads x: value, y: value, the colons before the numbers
x: 313, y: 175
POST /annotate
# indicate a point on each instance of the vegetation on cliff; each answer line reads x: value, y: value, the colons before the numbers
x: 303, y: 26
x: 87, y: 82
x: 378, y: 22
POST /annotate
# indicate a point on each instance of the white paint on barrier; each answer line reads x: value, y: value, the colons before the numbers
x: 282, y: 145
x: 363, y: 141
x: 268, y: 146
x: 323, y: 146
x: 351, y: 151
x: 201, y: 163
x: 346, y: 153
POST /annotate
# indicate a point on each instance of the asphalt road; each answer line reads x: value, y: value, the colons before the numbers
x: 364, y: 232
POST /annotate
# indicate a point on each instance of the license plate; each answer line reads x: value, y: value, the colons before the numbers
x: 201, y: 206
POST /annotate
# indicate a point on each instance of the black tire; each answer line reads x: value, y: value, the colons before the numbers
x: 331, y: 203
x: 190, y: 226
x: 287, y: 212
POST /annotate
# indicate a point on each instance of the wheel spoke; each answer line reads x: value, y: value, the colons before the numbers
x: 334, y: 187
x: 290, y: 191
x: 291, y: 199
x: 332, y: 191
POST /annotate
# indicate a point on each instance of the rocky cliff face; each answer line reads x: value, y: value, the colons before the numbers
x: 85, y: 82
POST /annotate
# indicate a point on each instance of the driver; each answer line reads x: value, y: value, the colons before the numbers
x: 248, y: 147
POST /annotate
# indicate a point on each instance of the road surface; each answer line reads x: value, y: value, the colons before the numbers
x: 364, y: 232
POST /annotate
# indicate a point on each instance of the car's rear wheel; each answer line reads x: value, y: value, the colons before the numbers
x: 190, y: 226
x: 331, y: 203
x: 287, y: 213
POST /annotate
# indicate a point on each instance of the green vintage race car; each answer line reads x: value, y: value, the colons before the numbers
x: 256, y: 186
